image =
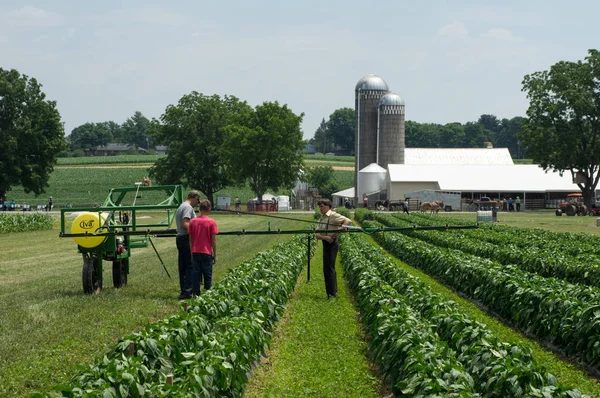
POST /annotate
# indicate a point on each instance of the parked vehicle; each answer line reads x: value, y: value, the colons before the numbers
x: 573, y: 205
x: 485, y: 203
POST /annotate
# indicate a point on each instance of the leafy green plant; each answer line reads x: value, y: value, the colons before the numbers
x: 498, y: 368
x: 558, y: 313
x: 25, y: 222
x: 209, y: 349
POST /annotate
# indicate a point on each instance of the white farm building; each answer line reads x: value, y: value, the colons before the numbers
x: 386, y: 169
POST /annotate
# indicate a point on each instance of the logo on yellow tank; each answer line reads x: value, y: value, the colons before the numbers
x: 87, y: 224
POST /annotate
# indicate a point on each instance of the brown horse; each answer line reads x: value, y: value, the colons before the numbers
x: 432, y: 207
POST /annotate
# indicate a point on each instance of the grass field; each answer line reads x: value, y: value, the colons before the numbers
x: 87, y: 181
x: 543, y: 219
x: 48, y: 326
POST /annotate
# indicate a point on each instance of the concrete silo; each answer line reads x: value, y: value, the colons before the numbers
x: 391, y: 130
x: 367, y: 94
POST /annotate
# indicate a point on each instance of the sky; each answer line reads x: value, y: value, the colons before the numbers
x: 451, y: 61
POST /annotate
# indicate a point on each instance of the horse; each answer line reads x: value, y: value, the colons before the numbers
x: 432, y: 207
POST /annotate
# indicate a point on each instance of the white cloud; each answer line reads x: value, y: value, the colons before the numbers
x: 502, y: 34
x: 154, y: 16
x: 455, y: 29
x: 32, y: 17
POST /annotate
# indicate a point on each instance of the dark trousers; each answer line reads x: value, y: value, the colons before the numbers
x: 329, y: 254
x: 184, y: 262
x: 201, y: 269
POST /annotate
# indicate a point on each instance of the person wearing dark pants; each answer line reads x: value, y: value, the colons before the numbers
x: 184, y: 261
x: 201, y: 272
x: 330, y: 221
x: 185, y: 213
x: 203, y: 231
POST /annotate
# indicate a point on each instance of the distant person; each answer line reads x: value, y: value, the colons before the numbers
x: 183, y: 216
x: 13, y: 205
x: 366, y: 202
x: 146, y: 182
x: 518, y: 203
x: 511, y: 205
x: 237, y: 202
x: 330, y: 220
x: 250, y: 206
x: 347, y: 204
x: 203, y: 241
x: 405, y: 206
x: 50, y: 204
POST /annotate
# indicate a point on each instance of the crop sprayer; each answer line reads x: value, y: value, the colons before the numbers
x: 109, y: 232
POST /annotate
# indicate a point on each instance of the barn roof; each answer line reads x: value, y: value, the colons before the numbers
x: 484, y: 178
x: 457, y: 156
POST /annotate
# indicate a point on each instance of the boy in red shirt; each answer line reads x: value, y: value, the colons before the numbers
x: 203, y: 243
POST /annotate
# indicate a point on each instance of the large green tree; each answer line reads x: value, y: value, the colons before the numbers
x: 195, y: 130
x: 90, y: 136
x: 136, y: 131
x: 266, y: 150
x: 321, y: 177
x: 491, y: 126
x: 563, y: 125
x: 31, y: 134
x: 322, y: 140
x: 507, y: 136
x: 341, y: 128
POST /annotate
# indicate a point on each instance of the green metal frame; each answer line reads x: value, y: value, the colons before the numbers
x: 133, y: 234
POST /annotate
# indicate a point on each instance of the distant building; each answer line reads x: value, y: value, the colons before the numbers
x: 309, y: 149
x: 111, y: 149
x: 162, y: 149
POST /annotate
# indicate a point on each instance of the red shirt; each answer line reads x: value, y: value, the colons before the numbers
x: 201, y: 230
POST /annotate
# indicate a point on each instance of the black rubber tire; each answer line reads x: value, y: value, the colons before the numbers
x: 119, y: 273
x: 591, y: 213
x: 92, y: 284
x: 558, y: 212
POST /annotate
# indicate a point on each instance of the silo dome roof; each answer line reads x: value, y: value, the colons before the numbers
x: 391, y: 99
x: 372, y: 82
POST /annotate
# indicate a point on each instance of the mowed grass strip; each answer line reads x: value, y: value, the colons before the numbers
x: 318, y: 349
x: 567, y: 373
x: 48, y: 326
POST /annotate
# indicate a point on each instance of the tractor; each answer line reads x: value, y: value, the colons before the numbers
x: 109, y: 232
x: 572, y: 206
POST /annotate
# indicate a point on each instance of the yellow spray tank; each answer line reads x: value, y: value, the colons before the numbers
x: 91, y: 223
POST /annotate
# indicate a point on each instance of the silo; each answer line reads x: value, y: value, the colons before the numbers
x: 367, y: 94
x: 371, y: 179
x: 391, y: 130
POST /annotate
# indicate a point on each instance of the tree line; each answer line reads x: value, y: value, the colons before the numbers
x: 337, y: 134
x: 134, y: 131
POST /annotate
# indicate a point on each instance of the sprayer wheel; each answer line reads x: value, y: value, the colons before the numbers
x: 91, y: 281
x: 119, y: 274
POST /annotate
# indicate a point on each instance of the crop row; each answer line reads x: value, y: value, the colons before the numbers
x: 10, y: 222
x: 540, y: 260
x: 496, y: 368
x: 558, y: 313
x: 569, y: 243
x: 208, y: 350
